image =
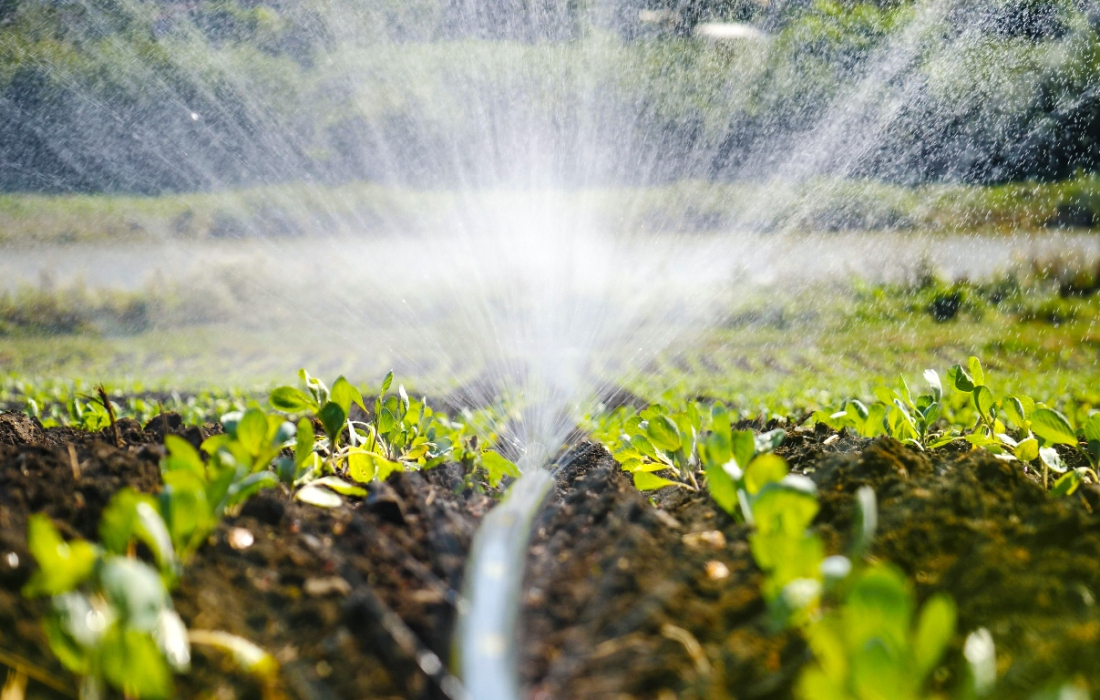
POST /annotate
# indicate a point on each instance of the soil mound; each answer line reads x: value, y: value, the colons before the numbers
x: 325, y: 591
x: 658, y: 599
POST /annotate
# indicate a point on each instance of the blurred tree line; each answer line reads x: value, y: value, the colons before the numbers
x: 150, y: 96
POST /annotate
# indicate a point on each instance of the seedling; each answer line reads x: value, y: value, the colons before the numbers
x: 111, y: 620
x: 399, y: 434
x: 871, y: 647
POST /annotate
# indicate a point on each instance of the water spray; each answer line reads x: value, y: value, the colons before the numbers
x: 485, y: 641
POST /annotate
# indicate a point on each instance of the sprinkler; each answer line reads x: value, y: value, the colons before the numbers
x: 485, y: 640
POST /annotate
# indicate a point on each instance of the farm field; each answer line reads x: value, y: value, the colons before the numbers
x: 319, y: 573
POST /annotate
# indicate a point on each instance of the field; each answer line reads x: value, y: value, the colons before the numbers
x: 780, y: 503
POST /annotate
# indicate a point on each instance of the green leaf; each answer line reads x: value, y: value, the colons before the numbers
x: 976, y: 372
x: 879, y: 606
x: 291, y: 400
x: 721, y: 487
x: 186, y: 508
x: 62, y: 566
x: 716, y: 450
x: 1052, y: 427
x: 386, y: 382
x: 983, y: 400
x: 68, y: 632
x: 318, y: 496
x: 646, y: 481
x: 787, y: 507
x: 303, y: 447
x: 132, y: 662
x: 361, y: 466
x: 1091, y: 428
x: 131, y: 515
x: 664, y: 434
x: 766, y: 442
x: 244, y: 489
x: 252, y: 431
x: 181, y: 455
x: 935, y: 628
x: 743, y: 446
x: 340, y: 486
x: 720, y: 422
x: 1052, y: 459
x: 932, y: 378
x: 642, y: 444
x: 765, y: 469
x: 1015, y: 410
x: 343, y: 394
x: 171, y: 639
x: 885, y: 394
x: 332, y: 418
x: 1027, y: 450
x: 387, y: 421
x: 960, y: 379
x: 1067, y: 483
x: 860, y: 409
x: 498, y: 467
x: 135, y: 590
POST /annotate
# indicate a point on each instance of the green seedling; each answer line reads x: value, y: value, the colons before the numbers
x: 398, y: 434
x: 111, y: 619
x: 788, y: 553
x: 909, y: 420
x: 871, y: 647
x: 659, y: 440
x: 196, y: 493
x: 865, y: 421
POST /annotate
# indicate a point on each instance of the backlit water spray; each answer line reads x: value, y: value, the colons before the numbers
x: 513, y: 243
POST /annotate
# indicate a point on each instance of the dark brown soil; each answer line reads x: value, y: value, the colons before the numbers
x: 326, y: 592
x: 627, y: 595
x: 620, y: 603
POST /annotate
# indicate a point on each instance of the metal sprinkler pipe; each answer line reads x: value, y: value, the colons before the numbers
x: 485, y: 645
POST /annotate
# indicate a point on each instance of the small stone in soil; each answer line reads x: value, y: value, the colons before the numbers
x: 716, y: 570
x: 709, y: 538
x: 240, y: 538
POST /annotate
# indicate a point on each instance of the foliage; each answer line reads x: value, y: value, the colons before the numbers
x: 399, y: 434
x: 111, y: 619
x: 871, y: 646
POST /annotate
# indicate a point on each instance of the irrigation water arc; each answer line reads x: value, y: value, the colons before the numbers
x: 484, y: 650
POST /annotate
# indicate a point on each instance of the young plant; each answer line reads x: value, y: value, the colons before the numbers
x: 866, y: 421
x: 909, y: 420
x: 659, y: 440
x: 196, y: 493
x: 871, y: 647
x: 989, y: 431
x: 738, y: 464
x: 399, y: 434
x: 111, y: 619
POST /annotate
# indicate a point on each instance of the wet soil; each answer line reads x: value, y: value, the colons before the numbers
x: 635, y: 596
x: 348, y: 600
x: 627, y: 595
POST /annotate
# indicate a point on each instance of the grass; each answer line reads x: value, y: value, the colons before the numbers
x: 785, y: 353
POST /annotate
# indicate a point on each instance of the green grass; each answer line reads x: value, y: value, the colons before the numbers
x: 775, y: 354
